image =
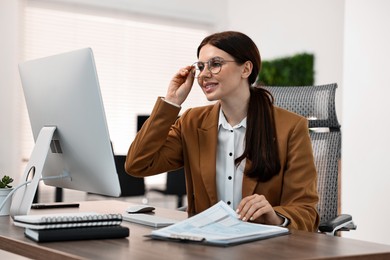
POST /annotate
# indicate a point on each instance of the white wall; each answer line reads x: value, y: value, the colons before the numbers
x: 366, y: 110
x: 9, y: 88
x: 284, y: 27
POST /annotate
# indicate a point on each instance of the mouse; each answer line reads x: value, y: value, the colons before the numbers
x: 140, y: 209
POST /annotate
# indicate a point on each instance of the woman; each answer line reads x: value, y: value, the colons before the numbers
x: 242, y: 150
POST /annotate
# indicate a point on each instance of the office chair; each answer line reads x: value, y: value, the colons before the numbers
x: 175, y: 185
x: 130, y: 186
x: 317, y: 104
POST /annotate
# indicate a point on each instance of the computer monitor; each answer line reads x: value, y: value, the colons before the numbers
x: 72, y: 143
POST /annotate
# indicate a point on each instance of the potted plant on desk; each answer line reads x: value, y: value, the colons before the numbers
x: 5, y: 189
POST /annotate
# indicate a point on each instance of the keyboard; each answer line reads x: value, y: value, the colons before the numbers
x: 148, y: 220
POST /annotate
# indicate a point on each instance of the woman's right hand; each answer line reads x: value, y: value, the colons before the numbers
x: 180, y: 86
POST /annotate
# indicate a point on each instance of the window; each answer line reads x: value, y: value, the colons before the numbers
x: 135, y: 59
x: 135, y: 56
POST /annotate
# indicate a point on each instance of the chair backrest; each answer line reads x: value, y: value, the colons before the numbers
x: 130, y: 186
x: 176, y: 183
x: 317, y: 104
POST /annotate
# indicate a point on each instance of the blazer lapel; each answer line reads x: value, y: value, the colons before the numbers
x: 208, y: 137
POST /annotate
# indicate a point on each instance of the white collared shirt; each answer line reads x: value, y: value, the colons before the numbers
x: 230, y: 146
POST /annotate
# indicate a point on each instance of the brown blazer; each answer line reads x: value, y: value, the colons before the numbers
x: 163, y: 145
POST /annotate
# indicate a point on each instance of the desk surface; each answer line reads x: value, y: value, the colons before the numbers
x: 297, y: 245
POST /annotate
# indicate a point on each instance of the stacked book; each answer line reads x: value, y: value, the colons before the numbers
x: 72, y: 226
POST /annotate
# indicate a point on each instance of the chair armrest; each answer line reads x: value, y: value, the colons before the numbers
x: 342, y: 222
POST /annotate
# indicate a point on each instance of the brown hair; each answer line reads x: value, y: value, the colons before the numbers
x: 261, y: 146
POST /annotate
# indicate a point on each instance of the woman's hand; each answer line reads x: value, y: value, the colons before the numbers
x: 180, y: 86
x: 256, y: 208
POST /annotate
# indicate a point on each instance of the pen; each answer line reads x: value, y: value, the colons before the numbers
x: 54, y: 205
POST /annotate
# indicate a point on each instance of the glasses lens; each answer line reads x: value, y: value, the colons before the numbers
x: 215, y: 65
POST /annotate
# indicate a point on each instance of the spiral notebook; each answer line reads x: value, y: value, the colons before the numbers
x: 67, y: 220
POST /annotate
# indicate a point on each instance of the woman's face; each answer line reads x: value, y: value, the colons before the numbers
x: 226, y: 84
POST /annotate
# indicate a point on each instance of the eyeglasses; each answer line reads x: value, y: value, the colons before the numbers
x: 214, y: 65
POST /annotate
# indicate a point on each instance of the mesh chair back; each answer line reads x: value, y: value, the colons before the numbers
x: 317, y: 104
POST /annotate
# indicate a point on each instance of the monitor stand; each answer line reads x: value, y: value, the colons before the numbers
x: 23, y: 198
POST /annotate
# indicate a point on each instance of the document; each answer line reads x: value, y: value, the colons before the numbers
x: 217, y: 225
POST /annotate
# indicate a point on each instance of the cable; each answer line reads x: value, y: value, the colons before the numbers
x: 28, y: 182
x: 12, y: 192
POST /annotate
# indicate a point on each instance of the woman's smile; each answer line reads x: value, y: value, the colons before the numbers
x: 209, y: 87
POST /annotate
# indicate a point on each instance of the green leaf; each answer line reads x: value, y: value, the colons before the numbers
x: 297, y: 70
x: 5, y: 181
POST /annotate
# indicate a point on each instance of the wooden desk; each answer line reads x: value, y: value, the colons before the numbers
x: 297, y: 245
x: 9, y: 255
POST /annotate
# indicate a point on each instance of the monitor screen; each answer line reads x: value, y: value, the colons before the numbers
x: 63, y: 98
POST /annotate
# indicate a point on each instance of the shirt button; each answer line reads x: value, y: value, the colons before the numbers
x: 230, y: 177
x: 230, y: 154
x: 228, y: 202
x: 231, y: 131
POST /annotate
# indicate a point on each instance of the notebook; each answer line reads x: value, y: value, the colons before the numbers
x: 67, y: 220
x: 79, y: 233
x: 148, y: 220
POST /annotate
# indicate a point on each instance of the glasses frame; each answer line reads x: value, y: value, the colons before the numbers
x: 209, y: 67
